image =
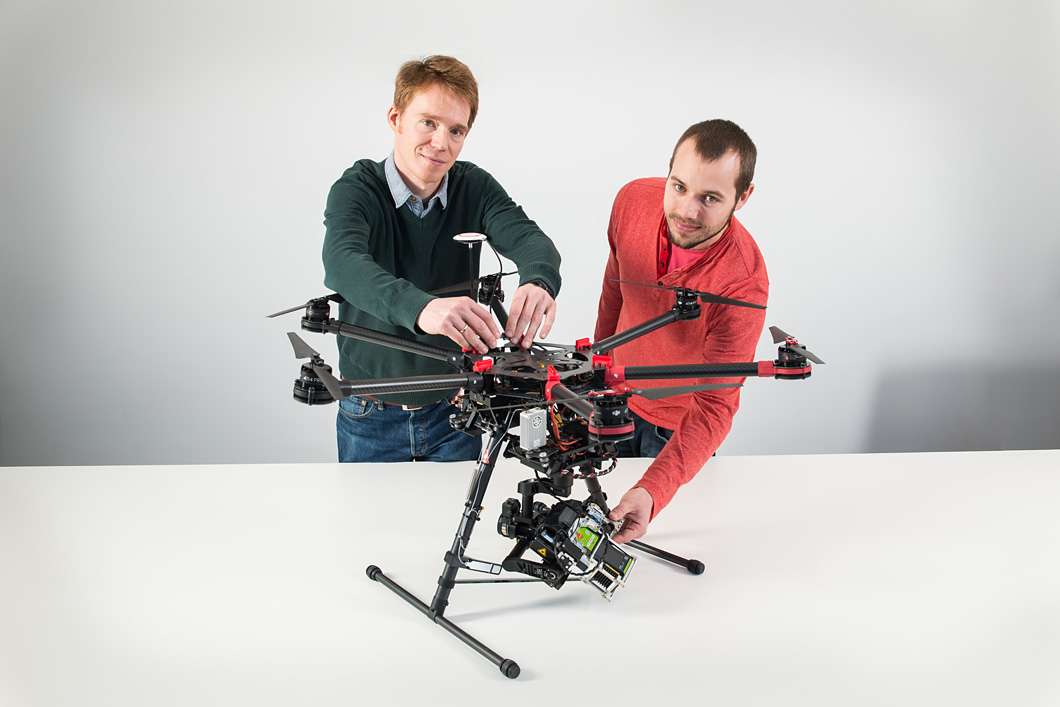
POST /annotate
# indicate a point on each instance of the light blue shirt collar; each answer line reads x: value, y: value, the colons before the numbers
x: 402, y: 194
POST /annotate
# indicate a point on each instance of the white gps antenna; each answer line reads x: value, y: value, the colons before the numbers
x: 471, y: 239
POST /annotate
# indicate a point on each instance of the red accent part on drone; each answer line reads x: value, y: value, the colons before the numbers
x: 553, y: 379
x: 482, y: 366
x: 800, y: 372
x: 582, y: 344
x: 769, y: 369
x: 604, y: 361
x: 614, y: 375
x: 611, y: 431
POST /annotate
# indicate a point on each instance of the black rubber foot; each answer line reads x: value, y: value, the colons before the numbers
x: 510, y: 668
x: 372, y: 571
x: 694, y: 566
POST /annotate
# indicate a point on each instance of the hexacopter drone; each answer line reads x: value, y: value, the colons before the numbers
x: 558, y: 409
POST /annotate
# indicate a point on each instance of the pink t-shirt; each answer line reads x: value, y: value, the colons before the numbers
x: 679, y: 258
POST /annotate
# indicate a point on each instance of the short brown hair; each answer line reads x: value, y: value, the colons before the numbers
x: 716, y: 138
x: 437, y: 70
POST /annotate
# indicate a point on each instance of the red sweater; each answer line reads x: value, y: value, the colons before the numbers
x: 732, y: 267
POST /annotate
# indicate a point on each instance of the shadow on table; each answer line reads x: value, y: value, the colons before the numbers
x: 966, y: 408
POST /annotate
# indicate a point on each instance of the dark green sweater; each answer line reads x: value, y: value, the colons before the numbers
x: 384, y: 260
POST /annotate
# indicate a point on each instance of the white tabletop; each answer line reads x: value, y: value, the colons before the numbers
x: 907, y: 579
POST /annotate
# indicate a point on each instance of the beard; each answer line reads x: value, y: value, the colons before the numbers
x: 689, y: 241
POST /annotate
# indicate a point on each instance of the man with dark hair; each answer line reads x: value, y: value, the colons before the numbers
x: 681, y: 231
x: 389, y: 242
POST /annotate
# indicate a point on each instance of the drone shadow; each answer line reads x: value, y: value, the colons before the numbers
x: 513, y: 609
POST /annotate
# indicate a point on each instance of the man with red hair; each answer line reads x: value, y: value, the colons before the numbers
x: 389, y: 243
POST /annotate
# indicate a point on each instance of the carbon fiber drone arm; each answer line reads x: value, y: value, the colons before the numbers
x: 759, y: 369
x: 340, y: 389
x: 334, y: 326
x: 318, y: 320
x: 635, y: 332
x: 576, y: 403
x: 685, y: 308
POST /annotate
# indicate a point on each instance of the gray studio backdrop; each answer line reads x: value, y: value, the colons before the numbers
x: 164, y: 168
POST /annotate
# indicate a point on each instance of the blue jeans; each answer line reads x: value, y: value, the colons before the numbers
x: 369, y: 431
x: 648, y: 439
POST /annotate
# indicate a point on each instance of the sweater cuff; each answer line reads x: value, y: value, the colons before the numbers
x: 542, y: 273
x: 407, y: 309
x: 544, y: 286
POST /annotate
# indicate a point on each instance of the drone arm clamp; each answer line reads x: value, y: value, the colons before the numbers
x: 786, y: 370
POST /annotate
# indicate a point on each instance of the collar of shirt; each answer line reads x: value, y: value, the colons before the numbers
x: 401, y: 192
x: 666, y: 262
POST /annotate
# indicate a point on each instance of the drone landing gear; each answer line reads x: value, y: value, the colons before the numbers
x: 508, y: 667
x: 455, y: 560
x: 693, y: 566
x: 597, y: 495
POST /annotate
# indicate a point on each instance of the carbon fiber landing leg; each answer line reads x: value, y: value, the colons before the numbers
x: 598, y: 495
x: 455, y: 561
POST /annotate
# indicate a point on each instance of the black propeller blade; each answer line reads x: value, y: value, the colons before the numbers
x: 301, y: 348
x: 466, y: 285
x: 705, y: 297
x: 657, y: 393
x: 649, y: 393
x: 668, y: 391
x: 462, y: 287
x: 779, y: 336
x: 334, y: 297
x: 330, y: 382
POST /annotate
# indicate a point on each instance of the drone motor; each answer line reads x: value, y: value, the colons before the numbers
x: 317, y: 314
x: 309, y: 389
x: 611, y: 420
